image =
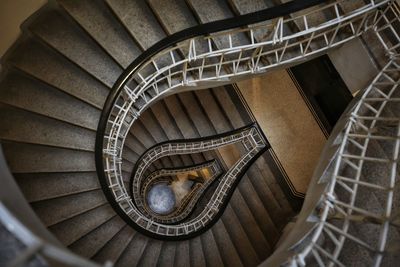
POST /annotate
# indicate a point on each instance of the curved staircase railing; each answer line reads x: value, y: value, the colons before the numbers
x: 164, y: 72
x: 189, y: 201
x: 316, y: 238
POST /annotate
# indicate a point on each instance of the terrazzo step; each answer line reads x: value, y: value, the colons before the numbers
x: 264, y: 218
x: 133, y: 252
x: 101, y: 24
x: 250, y: 226
x: 69, y: 39
x: 56, y: 184
x: 42, y: 159
x: 182, y: 119
x: 31, y: 95
x: 241, y: 7
x: 239, y: 238
x: 167, y: 254
x: 88, y: 245
x: 197, y: 256
x: 213, y: 110
x: 28, y: 56
x: 208, y: 11
x: 113, y: 249
x: 82, y: 224
x: 72, y: 205
x: 182, y: 256
x: 16, y: 123
x: 193, y: 107
x: 210, y: 249
x: 139, y: 21
x: 228, y: 252
x: 151, y: 253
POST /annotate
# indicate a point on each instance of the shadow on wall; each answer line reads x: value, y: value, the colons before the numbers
x: 12, y: 14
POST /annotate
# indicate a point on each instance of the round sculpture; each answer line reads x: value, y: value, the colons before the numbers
x: 161, y: 199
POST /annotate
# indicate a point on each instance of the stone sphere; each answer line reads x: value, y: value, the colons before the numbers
x: 161, y: 199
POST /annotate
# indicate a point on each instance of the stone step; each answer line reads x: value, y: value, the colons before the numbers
x: 182, y: 256
x: 113, y: 249
x: 16, y: 123
x: 38, y: 158
x: 56, y: 184
x: 91, y: 243
x: 50, y: 211
x: 20, y: 91
x: 133, y: 252
x: 70, y: 40
x: 250, y: 226
x: 101, y: 24
x: 229, y: 254
x: 139, y: 21
x: 29, y: 55
x: 210, y: 249
x: 71, y: 230
x: 197, y: 256
x: 167, y: 254
x: 239, y: 237
x: 151, y: 253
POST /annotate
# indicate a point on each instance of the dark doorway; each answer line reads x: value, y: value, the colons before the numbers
x: 323, y: 88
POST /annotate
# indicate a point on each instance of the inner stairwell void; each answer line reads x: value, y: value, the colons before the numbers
x: 202, y: 133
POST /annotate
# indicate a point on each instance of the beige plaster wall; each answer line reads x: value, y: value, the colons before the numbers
x: 12, y: 14
x: 287, y: 123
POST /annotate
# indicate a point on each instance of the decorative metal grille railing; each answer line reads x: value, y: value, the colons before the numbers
x: 356, y: 209
x: 204, y: 65
x: 255, y: 144
x: 189, y: 201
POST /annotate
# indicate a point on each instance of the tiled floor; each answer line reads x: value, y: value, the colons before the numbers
x: 287, y: 123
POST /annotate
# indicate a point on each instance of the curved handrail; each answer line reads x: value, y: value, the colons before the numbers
x: 189, y: 201
x: 131, y: 102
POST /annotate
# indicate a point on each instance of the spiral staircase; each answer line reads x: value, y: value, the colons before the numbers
x: 98, y: 96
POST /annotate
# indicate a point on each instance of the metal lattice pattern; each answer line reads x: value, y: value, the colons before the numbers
x: 188, y: 202
x: 203, y: 65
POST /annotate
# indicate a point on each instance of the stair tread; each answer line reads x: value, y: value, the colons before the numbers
x: 250, y: 226
x: 239, y: 238
x: 16, y: 123
x: 196, y: 111
x: 60, y: 33
x: 28, y: 94
x: 197, y: 257
x: 182, y: 120
x: 115, y: 247
x: 228, y: 252
x: 29, y: 56
x: 256, y: 204
x: 56, y: 184
x: 72, y: 229
x: 182, y: 257
x: 38, y: 158
x: 244, y: 6
x: 209, y: 11
x: 180, y: 19
x: 214, y: 112
x: 139, y: 20
x: 167, y: 254
x: 96, y: 18
x: 151, y: 253
x: 210, y: 248
x: 161, y: 113
x: 133, y: 252
x: 89, y: 244
x: 50, y: 213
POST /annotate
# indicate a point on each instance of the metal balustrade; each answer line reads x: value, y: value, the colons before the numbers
x: 203, y: 65
x: 188, y: 202
x: 218, y: 198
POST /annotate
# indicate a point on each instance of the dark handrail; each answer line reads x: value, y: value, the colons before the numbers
x: 203, y: 29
